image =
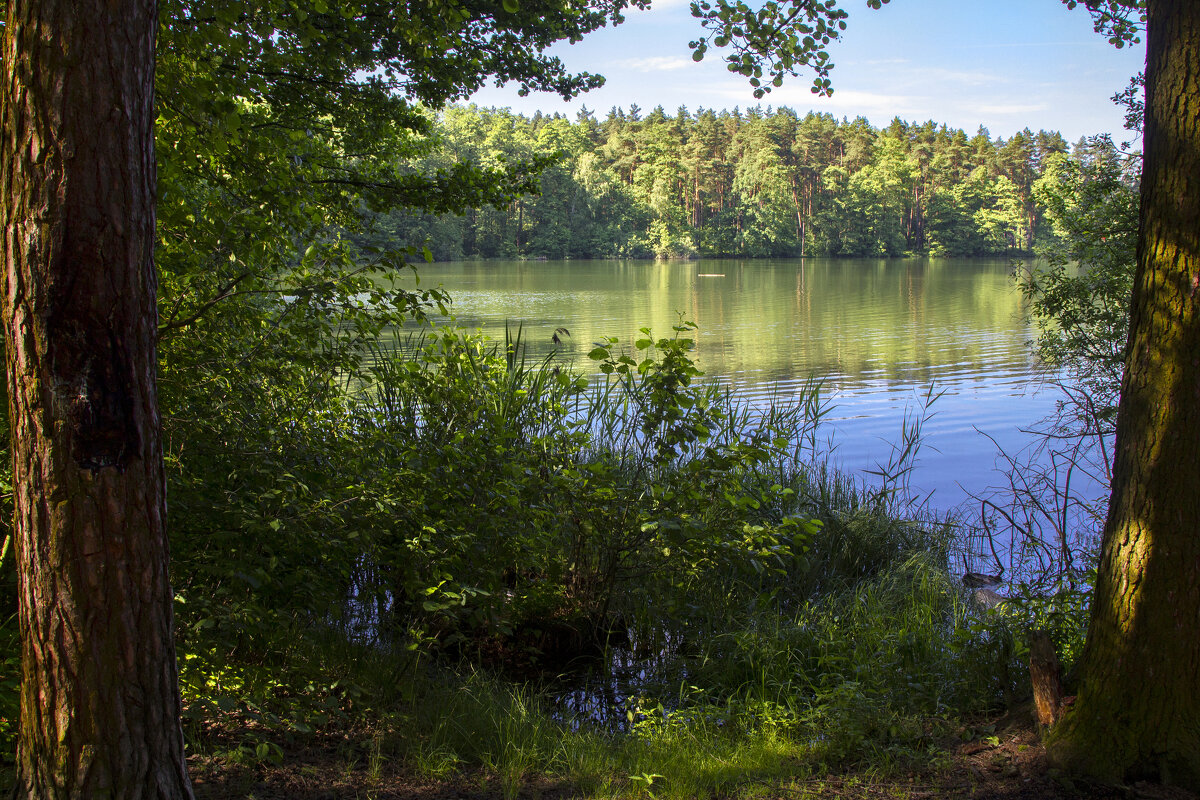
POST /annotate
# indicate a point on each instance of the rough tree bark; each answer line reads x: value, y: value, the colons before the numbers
x: 1138, y: 709
x: 99, y: 698
x: 1045, y: 673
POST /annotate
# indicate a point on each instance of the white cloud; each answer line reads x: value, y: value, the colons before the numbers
x: 656, y: 63
x: 1011, y: 108
x: 961, y: 77
x: 850, y: 101
x: 797, y: 95
x: 902, y: 72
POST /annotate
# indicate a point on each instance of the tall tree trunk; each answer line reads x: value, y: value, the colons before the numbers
x: 520, y: 223
x: 798, y: 205
x: 99, y: 696
x: 1138, y: 708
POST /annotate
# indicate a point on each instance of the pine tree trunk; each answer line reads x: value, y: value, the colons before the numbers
x: 99, y: 696
x: 1138, y: 709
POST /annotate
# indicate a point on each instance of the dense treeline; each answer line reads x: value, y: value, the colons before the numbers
x: 756, y: 183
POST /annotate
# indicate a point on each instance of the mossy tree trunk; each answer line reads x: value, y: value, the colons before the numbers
x: 99, y: 697
x: 1138, y: 708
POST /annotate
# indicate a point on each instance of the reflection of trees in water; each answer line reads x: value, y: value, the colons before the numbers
x: 769, y: 320
x: 876, y: 332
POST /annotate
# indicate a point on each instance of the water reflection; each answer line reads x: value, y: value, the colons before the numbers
x: 608, y: 693
x: 878, y: 333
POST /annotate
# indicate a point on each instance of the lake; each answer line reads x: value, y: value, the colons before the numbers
x: 878, y: 333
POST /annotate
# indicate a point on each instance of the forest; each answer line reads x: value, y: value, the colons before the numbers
x: 269, y: 528
x: 759, y: 183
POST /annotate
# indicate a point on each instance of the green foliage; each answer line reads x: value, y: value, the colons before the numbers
x: 279, y: 124
x: 995, y: 640
x: 439, y: 496
x: 1062, y: 611
x: 856, y: 677
x: 1081, y: 299
x: 1119, y: 20
x: 759, y: 183
x: 447, y: 491
x: 469, y: 437
x: 681, y: 483
x: 772, y: 41
x: 344, y: 523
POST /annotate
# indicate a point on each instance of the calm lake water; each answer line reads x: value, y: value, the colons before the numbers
x: 878, y: 333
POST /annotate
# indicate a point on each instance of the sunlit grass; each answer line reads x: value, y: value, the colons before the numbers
x: 860, y: 679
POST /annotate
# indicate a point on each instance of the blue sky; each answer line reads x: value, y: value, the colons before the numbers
x: 1003, y: 64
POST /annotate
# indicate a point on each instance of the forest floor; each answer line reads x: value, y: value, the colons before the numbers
x: 1009, y: 766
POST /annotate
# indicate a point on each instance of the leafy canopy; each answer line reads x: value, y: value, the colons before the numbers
x: 279, y: 120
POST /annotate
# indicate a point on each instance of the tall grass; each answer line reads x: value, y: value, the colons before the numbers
x: 782, y: 619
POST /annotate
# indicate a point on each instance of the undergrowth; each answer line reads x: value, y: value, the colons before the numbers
x: 869, y: 678
x: 447, y: 535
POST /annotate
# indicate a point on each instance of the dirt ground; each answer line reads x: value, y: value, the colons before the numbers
x: 1009, y: 766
